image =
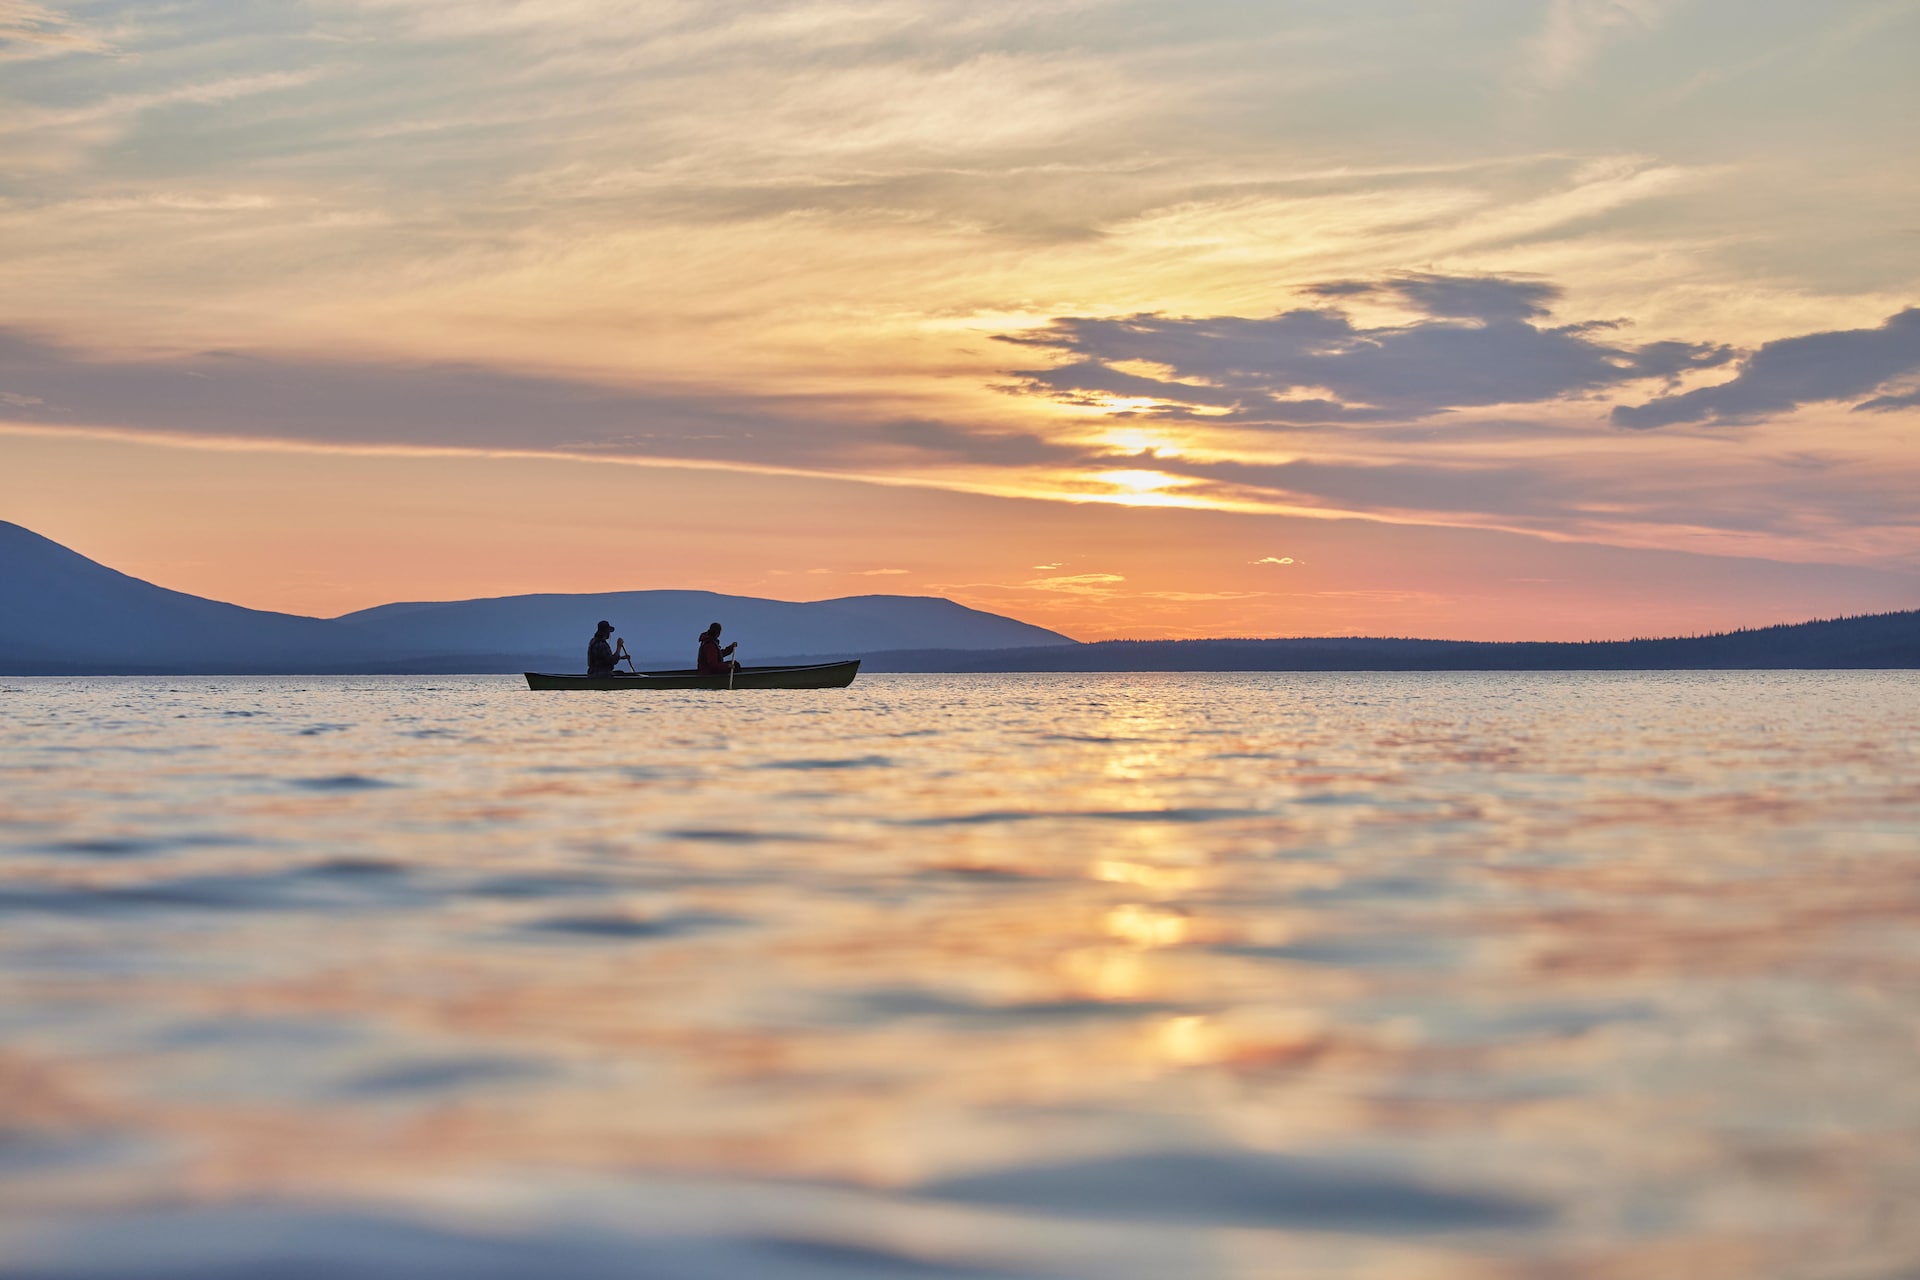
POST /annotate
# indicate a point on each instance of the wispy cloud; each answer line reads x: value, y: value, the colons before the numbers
x: 1574, y: 32
x: 1079, y: 584
x: 30, y: 31
x: 226, y: 89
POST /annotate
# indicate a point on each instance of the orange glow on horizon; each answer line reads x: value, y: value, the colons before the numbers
x: 334, y: 532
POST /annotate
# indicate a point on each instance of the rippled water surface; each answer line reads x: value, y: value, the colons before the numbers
x: 1161, y: 976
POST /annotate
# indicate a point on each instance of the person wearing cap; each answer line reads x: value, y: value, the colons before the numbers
x: 600, y: 655
x: 714, y: 660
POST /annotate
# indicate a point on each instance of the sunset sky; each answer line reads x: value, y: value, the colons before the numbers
x: 1475, y: 318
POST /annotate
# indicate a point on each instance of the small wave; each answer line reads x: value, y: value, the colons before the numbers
x: 439, y: 1075
x: 241, y: 1242
x: 919, y: 1002
x: 1238, y: 1189
x: 987, y: 874
x: 137, y: 846
x: 341, y: 782
x: 538, y: 886
x: 1383, y: 952
x: 343, y: 883
x: 353, y: 868
x: 1099, y: 815
x: 852, y: 762
x: 211, y: 893
x: 633, y: 927
x: 106, y: 848
x: 1391, y: 887
x: 1339, y: 797
x: 730, y: 835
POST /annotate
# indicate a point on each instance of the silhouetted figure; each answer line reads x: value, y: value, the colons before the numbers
x: 715, y: 661
x: 600, y: 655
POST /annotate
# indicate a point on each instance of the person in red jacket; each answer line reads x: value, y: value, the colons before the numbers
x: 714, y: 660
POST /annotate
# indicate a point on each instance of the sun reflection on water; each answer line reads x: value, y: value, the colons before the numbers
x: 1543, y: 997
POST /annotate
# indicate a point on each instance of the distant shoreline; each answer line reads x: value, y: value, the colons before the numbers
x: 1887, y: 641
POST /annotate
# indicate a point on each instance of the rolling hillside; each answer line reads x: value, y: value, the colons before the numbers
x: 661, y: 627
x: 63, y: 614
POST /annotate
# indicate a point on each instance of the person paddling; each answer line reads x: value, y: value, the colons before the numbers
x: 600, y: 654
x: 714, y: 660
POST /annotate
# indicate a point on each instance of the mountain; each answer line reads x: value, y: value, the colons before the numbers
x: 63, y: 614
x: 661, y: 628
x: 1884, y: 640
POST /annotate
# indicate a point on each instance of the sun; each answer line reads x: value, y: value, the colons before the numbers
x: 1138, y: 440
x: 1142, y: 488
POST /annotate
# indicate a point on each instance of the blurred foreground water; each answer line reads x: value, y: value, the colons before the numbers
x: 1545, y: 974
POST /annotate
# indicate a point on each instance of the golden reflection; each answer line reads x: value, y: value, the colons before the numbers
x: 1188, y: 1040
x: 1160, y: 879
x: 1106, y: 973
x: 395, y: 996
x: 1145, y: 926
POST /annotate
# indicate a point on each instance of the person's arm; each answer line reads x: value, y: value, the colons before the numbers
x: 729, y: 649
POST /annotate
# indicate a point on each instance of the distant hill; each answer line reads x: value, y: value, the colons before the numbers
x: 63, y: 614
x: 1885, y: 640
x: 661, y: 628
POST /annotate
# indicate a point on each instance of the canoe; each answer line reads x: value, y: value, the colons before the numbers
x: 821, y: 675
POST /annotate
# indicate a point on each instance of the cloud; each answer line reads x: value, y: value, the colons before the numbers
x: 204, y: 93
x: 1508, y: 491
x: 1006, y: 449
x: 1078, y: 584
x: 30, y: 30
x: 1272, y: 560
x: 224, y: 395
x: 1786, y: 374
x: 1575, y: 31
x: 1888, y: 404
x: 1479, y: 341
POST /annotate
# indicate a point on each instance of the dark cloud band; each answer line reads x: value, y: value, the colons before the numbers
x: 1479, y: 342
x: 1810, y: 369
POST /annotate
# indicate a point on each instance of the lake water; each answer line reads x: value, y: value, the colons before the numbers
x: 1534, y: 975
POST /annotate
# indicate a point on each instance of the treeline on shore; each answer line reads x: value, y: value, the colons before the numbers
x: 1885, y: 640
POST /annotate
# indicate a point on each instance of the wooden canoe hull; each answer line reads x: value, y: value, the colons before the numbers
x: 824, y: 675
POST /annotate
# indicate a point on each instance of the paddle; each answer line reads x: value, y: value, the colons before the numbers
x: 621, y: 652
x: 733, y: 666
